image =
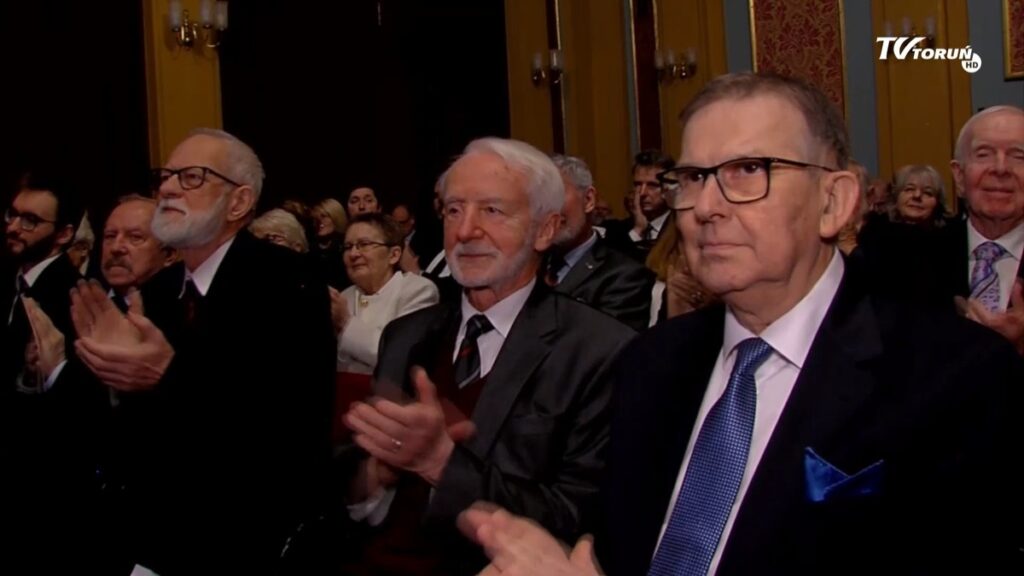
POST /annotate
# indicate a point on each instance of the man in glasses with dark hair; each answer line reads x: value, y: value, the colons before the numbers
x: 226, y: 379
x: 804, y: 425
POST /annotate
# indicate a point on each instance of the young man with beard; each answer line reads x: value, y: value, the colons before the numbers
x: 581, y: 265
x: 231, y: 368
x: 47, y: 441
x: 525, y: 368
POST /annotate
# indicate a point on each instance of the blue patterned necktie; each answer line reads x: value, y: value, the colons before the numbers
x: 984, y: 278
x: 714, y: 474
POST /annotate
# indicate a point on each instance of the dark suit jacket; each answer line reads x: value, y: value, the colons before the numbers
x: 609, y: 281
x: 936, y: 398
x: 617, y: 237
x: 235, y: 437
x: 50, y: 440
x: 541, y: 420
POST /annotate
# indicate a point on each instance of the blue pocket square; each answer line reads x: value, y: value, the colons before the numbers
x: 826, y: 482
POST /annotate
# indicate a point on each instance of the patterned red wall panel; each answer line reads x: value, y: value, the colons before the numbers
x: 801, y: 38
x: 1014, y: 27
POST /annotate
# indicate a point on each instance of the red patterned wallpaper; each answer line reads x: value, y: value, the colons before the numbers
x: 1015, y: 37
x: 801, y: 38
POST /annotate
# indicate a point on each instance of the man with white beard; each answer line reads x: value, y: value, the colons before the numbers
x: 226, y: 364
x: 583, y: 266
x: 505, y: 390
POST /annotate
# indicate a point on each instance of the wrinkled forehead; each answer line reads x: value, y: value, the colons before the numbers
x: 766, y: 124
x: 198, y: 150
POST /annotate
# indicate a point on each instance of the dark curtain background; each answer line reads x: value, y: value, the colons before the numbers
x: 336, y: 95
x: 74, y: 97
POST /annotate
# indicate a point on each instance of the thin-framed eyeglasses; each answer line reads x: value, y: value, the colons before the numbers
x: 189, y: 177
x: 362, y: 246
x: 740, y: 180
x: 27, y: 220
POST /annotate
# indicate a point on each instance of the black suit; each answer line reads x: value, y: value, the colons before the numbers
x: 51, y: 439
x: 234, y: 440
x: 935, y: 397
x: 541, y: 420
x: 607, y: 280
x: 618, y: 237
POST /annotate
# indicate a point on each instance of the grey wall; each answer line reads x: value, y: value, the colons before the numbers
x: 988, y: 85
x: 861, y: 113
x: 739, y: 56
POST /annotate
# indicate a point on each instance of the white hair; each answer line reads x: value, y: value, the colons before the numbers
x: 544, y: 186
x: 575, y: 169
x: 281, y: 222
x: 963, y: 140
x: 244, y: 165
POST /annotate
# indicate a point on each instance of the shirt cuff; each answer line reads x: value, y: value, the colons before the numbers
x: 52, y: 378
x: 374, y: 510
x: 634, y: 236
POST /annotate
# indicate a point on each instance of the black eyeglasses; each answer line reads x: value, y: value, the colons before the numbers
x: 741, y: 180
x: 28, y: 220
x: 362, y: 245
x: 190, y: 177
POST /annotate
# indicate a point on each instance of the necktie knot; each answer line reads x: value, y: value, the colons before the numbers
x: 990, y: 252
x: 751, y: 353
x: 23, y: 286
x: 555, y: 264
x: 477, y: 325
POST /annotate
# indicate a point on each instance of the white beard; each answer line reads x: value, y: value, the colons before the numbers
x: 192, y: 229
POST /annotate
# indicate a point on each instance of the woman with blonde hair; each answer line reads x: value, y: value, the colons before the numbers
x: 330, y: 222
x: 676, y: 291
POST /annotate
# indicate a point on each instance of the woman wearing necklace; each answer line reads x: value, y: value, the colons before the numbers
x: 379, y: 294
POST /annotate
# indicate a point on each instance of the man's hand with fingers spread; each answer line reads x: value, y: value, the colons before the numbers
x: 520, y: 547
x: 413, y: 437
x: 126, y: 352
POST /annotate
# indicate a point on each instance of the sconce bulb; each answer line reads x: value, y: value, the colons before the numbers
x: 929, y: 26
x: 908, y: 26
x: 174, y: 14
x: 206, y: 13
x: 538, y: 62
x: 691, y: 56
x: 670, y: 57
x: 556, y: 59
x: 887, y: 28
x: 659, y: 60
x: 221, y: 15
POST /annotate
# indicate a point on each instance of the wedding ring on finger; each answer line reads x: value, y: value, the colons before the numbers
x: 396, y: 444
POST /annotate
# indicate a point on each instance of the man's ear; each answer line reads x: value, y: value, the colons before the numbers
x: 241, y: 203
x: 840, y: 202
x: 170, y: 256
x: 958, y: 177
x: 546, y: 231
x: 394, y: 254
x: 589, y: 200
x: 65, y: 235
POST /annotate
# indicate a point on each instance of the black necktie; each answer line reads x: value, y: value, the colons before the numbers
x: 191, y: 301
x: 467, y: 363
x: 120, y: 302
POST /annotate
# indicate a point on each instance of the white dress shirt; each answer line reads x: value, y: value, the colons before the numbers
x: 202, y: 276
x: 1006, y: 268
x: 790, y: 338
x: 572, y: 257
x: 655, y: 224
x: 370, y: 313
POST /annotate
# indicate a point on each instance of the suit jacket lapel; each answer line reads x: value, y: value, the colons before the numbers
x: 833, y: 386
x: 583, y: 269
x: 526, y: 346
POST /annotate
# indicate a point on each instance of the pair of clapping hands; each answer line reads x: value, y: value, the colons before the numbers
x: 125, y: 351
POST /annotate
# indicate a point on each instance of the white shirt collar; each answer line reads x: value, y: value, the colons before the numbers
x: 503, y: 314
x: 792, y: 334
x: 1012, y: 241
x: 202, y: 277
x: 33, y: 274
x: 658, y: 222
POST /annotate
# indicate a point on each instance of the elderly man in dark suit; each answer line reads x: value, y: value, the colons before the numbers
x: 805, y: 426
x: 525, y: 369
x: 228, y: 376
x: 581, y: 265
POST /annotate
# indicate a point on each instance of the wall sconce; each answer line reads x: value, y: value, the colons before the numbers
x: 553, y: 72
x: 213, y: 21
x: 668, y: 69
x: 908, y: 29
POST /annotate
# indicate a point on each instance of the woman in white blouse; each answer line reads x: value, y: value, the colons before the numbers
x: 379, y: 294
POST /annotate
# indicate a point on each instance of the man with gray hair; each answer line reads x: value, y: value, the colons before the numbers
x: 582, y: 265
x: 502, y: 395
x: 227, y: 376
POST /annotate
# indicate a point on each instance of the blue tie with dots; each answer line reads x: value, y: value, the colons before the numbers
x: 984, y: 278
x: 714, y: 474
